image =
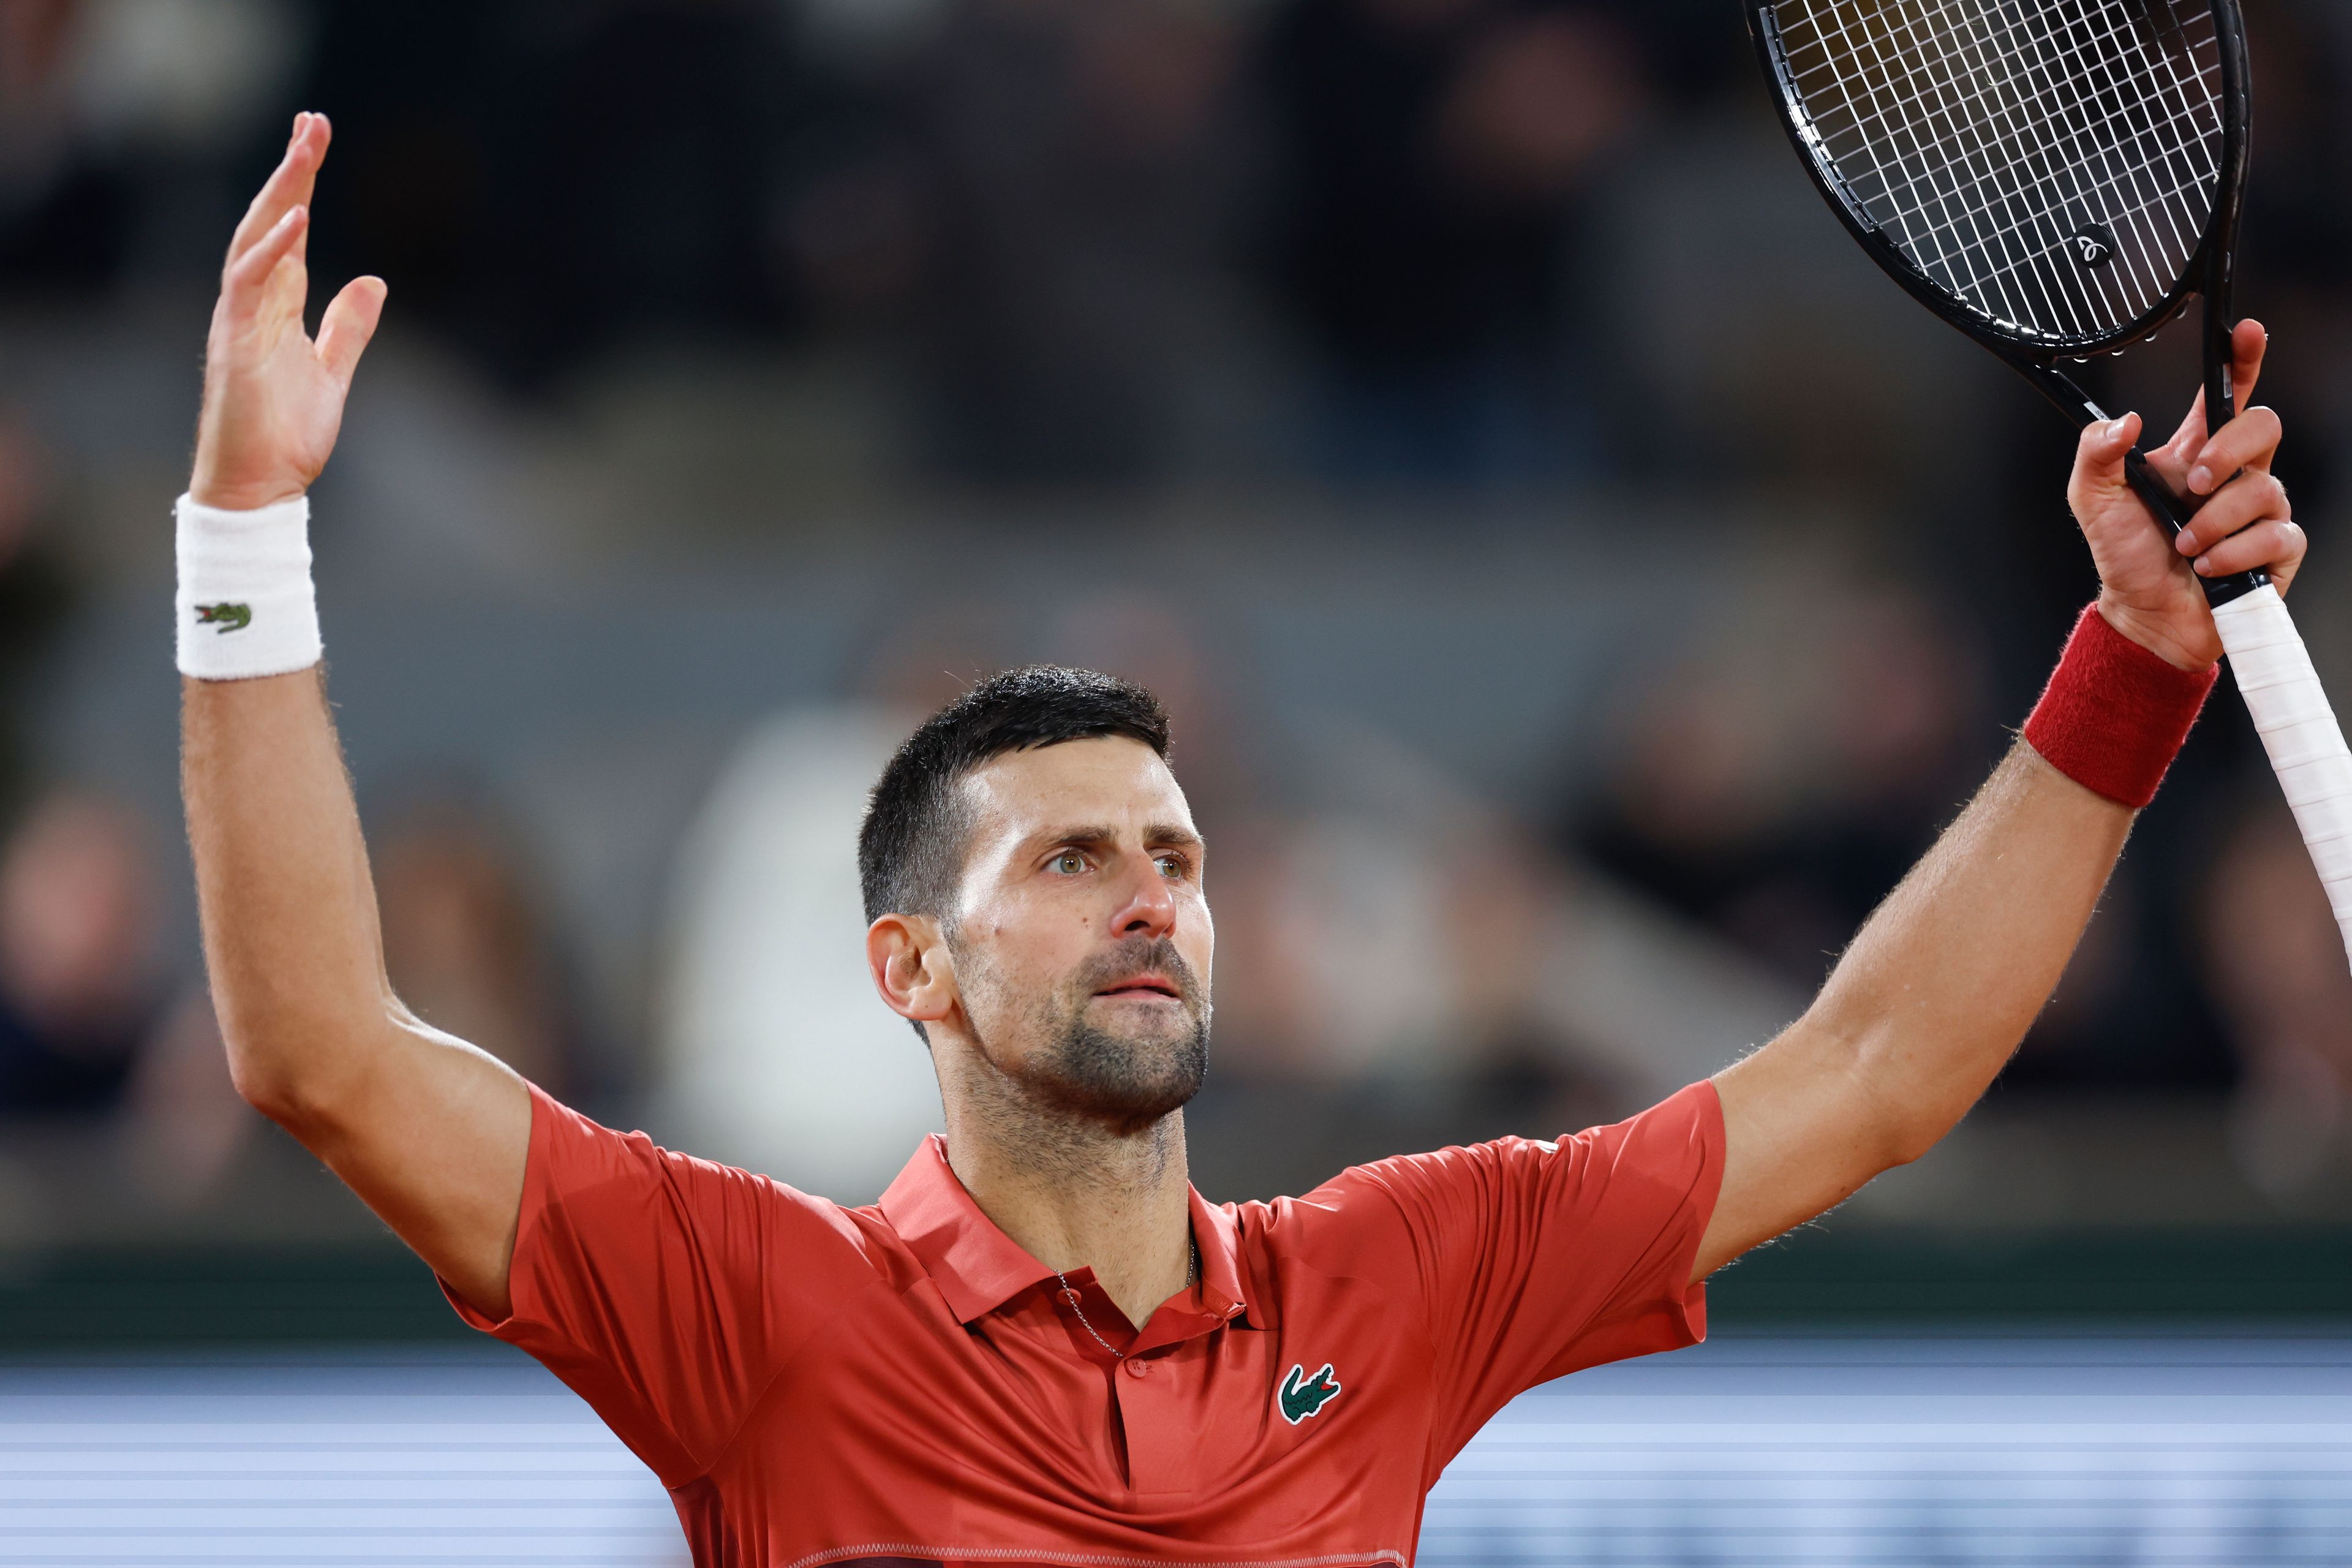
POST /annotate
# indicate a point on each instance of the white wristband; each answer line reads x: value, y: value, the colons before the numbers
x: 246, y: 607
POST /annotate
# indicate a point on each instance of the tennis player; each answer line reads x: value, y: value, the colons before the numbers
x: 1042, y: 1346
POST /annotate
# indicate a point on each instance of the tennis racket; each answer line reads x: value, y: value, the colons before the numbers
x: 2055, y: 178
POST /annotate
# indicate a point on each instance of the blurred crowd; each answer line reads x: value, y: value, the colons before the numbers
x: 1400, y: 286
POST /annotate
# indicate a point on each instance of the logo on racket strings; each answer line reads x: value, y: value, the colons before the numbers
x: 2092, y: 244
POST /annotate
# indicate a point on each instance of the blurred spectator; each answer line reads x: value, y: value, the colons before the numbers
x: 64, y: 215
x: 857, y: 215
x: 415, y: 192
x: 648, y: 203
x: 1082, y: 157
x: 112, y: 112
x: 81, y: 982
x: 775, y: 1053
x: 1434, y: 151
x: 35, y: 596
x: 620, y: 161
x: 183, y: 1125
x: 465, y: 945
x: 1775, y: 782
x: 859, y: 35
x: 2296, y: 253
x: 1775, y: 785
x: 2276, y: 965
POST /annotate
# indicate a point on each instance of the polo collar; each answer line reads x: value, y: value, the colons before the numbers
x: 978, y: 1267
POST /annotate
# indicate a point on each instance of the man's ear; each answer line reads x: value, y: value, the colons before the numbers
x: 912, y: 969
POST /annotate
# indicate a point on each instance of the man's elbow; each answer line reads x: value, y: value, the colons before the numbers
x: 1908, y: 1130
x: 283, y: 1072
x: 1902, y: 1121
x: 1906, y: 1143
x: 269, y: 1084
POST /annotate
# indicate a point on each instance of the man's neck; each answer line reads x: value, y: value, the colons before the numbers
x: 1075, y: 1194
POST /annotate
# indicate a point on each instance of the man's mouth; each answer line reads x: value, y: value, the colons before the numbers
x: 1143, y: 987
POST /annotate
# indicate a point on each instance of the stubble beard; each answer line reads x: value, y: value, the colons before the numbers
x: 1122, y: 1080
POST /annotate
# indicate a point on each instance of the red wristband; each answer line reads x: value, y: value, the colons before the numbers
x: 2114, y: 714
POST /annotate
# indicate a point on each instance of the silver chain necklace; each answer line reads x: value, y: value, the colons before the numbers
x: 1070, y: 1294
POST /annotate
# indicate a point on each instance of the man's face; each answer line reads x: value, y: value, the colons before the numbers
x: 1082, y: 939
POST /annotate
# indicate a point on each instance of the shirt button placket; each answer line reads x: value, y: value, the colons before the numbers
x: 1159, y: 1456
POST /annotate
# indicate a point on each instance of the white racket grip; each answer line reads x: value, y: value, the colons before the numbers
x: 2299, y: 730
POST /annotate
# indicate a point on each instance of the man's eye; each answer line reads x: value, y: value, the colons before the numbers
x: 1172, y: 867
x: 1069, y: 862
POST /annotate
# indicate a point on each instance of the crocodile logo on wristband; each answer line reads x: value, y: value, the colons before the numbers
x: 228, y: 617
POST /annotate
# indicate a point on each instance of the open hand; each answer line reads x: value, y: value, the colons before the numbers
x: 2148, y: 578
x: 274, y: 399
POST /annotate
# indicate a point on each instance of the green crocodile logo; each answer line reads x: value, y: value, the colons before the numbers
x: 1303, y: 1397
x: 228, y: 617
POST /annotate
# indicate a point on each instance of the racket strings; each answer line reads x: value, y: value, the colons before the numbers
x: 1990, y: 259
x: 2050, y: 164
x: 1912, y: 101
x: 2075, y: 170
x: 1938, y: 94
x: 2175, y: 134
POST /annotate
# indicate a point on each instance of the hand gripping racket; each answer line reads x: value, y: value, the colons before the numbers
x: 2055, y: 178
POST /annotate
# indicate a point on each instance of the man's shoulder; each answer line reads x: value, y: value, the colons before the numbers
x: 1345, y: 1219
x: 586, y: 1165
x: 1441, y: 1190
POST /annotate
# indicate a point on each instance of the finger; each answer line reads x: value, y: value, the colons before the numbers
x: 245, y: 286
x: 2100, y: 475
x: 2244, y: 500
x: 349, y: 323
x: 289, y: 184
x: 2185, y: 440
x: 2276, y: 543
x: 271, y: 202
x: 2099, y: 458
x: 322, y: 135
x: 2248, y: 342
x: 2249, y: 441
x: 286, y: 293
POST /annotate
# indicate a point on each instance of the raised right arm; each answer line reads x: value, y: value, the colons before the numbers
x: 429, y: 1132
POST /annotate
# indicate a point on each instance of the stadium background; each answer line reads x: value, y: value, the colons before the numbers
x: 1581, y: 584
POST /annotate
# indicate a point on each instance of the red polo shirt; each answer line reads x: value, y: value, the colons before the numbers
x: 819, y: 1384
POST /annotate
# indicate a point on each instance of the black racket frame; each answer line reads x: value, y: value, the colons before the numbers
x: 2210, y: 271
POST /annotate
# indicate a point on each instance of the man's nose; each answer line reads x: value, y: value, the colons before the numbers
x: 1149, y: 908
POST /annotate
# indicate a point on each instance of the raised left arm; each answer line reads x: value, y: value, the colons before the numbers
x: 1944, y: 978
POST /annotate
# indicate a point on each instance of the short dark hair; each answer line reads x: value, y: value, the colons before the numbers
x: 910, y: 849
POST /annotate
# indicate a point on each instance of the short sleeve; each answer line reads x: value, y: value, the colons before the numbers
x: 665, y: 1292
x: 1537, y: 1259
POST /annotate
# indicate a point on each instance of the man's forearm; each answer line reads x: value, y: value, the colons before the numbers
x: 290, y: 922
